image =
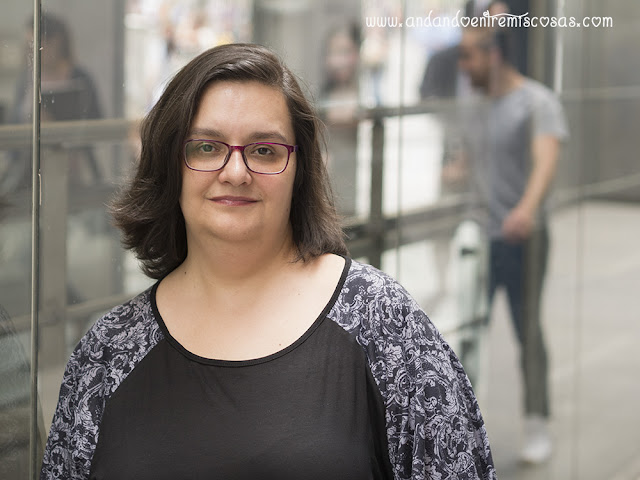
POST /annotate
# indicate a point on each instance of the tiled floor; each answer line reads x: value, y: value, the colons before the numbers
x: 592, y: 322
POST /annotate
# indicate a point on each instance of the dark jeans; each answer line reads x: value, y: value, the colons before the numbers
x: 520, y: 269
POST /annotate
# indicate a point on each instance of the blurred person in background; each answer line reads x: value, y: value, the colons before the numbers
x: 341, y: 67
x: 442, y: 77
x: 512, y: 142
x: 67, y: 93
x: 263, y: 350
x: 443, y: 80
x: 340, y: 101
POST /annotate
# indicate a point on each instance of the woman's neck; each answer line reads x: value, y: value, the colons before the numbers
x: 223, y: 265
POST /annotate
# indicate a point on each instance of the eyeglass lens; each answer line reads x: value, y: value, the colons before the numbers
x: 259, y: 157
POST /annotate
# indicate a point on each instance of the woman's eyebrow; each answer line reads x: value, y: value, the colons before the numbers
x: 204, y: 132
x: 254, y: 136
x: 260, y: 136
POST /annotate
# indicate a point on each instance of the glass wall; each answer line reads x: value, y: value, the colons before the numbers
x: 15, y: 249
x: 393, y: 133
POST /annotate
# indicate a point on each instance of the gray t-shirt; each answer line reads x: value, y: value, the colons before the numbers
x: 497, y: 135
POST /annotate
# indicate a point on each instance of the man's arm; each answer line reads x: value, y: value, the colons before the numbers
x: 520, y: 222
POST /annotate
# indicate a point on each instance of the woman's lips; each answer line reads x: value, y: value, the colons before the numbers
x: 233, y: 201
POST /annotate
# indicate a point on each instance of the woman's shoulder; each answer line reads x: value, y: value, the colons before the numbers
x: 127, y: 331
x: 373, y: 301
x: 371, y: 285
x: 125, y: 315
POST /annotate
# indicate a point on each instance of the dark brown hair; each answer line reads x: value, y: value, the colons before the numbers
x: 148, y: 211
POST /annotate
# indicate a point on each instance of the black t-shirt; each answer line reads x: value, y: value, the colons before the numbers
x: 310, y: 411
x: 371, y: 387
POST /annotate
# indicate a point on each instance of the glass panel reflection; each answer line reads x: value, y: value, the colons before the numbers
x: 15, y: 243
x: 105, y: 65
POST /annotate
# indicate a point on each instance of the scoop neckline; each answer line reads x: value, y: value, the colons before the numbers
x: 254, y: 361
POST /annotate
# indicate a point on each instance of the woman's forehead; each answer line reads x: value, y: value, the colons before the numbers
x: 226, y: 106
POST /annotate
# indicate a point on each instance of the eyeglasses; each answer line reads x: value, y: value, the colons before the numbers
x: 262, y: 157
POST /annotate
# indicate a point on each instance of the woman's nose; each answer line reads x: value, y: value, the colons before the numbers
x: 235, y: 171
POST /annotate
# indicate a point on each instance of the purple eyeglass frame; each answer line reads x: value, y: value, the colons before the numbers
x: 240, y: 148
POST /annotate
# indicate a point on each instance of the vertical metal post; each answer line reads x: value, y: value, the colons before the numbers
x: 35, y: 244
x: 537, y: 64
x: 376, y: 218
x: 559, y: 50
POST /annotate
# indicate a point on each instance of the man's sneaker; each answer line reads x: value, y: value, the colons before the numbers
x: 537, y: 441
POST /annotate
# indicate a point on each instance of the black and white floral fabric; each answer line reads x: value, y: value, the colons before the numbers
x: 434, y: 426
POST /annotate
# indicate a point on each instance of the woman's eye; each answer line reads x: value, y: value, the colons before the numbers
x: 207, y: 148
x: 263, y: 150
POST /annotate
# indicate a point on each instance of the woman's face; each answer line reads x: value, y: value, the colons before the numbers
x: 342, y: 58
x: 234, y: 204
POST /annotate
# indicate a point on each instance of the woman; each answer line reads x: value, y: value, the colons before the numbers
x: 263, y: 351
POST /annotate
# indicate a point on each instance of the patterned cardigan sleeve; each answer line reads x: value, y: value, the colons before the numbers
x: 434, y: 426
x: 103, y: 359
x: 74, y: 430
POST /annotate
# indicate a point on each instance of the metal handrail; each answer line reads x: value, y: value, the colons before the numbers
x: 83, y: 132
x: 377, y: 232
x: 68, y: 133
